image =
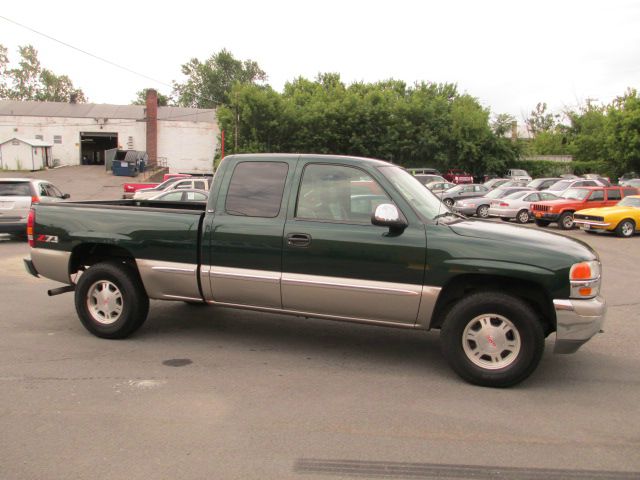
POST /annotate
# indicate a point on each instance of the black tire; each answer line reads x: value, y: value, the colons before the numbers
x: 565, y: 222
x: 523, y: 216
x: 494, y: 307
x: 626, y: 228
x: 448, y: 202
x: 542, y: 223
x: 124, y: 293
x: 483, y: 211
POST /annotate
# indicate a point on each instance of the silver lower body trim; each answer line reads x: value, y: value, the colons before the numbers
x: 351, y: 298
x: 53, y: 264
x: 169, y: 280
x: 577, y: 321
x: 299, y: 313
x: 245, y: 286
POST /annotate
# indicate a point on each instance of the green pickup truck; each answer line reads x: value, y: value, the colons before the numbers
x: 332, y: 237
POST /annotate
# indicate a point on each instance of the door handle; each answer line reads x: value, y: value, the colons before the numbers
x: 298, y: 240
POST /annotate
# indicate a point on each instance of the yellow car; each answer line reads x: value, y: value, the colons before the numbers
x: 624, y: 218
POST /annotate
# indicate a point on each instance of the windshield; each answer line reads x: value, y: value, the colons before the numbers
x: 166, y: 183
x: 630, y: 202
x: 518, y: 172
x: 561, y: 185
x: 498, y: 193
x: 421, y: 199
x: 575, y: 194
x: 517, y: 194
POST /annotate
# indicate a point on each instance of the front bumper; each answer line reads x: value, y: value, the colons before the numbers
x: 465, y: 210
x: 549, y: 217
x: 577, y: 321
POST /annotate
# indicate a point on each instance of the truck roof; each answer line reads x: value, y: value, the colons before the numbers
x: 348, y: 158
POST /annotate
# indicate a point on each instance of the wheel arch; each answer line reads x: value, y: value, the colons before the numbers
x: 89, y: 254
x: 532, y: 293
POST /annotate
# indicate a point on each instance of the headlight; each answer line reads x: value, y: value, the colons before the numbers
x: 585, y: 279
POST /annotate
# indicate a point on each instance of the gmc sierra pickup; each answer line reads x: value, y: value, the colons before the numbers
x: 339, y: 238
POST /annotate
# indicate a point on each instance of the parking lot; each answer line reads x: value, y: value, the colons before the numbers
x: 207, y: 392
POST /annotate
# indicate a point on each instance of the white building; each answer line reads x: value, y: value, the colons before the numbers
x: 80, y: 133
x: 25, y: 154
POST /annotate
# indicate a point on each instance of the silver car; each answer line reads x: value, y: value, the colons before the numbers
x: 16, y: 197
x: 199, y: 183
x: 517, y: 205
x: 480, y: 205
x: 186, y: 195
x: 452, y: 195
x: 565, y: 184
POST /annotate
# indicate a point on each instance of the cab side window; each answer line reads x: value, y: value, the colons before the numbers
x: 335, y: 193
x: 256, y: 189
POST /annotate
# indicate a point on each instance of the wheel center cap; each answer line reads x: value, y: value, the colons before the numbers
x: 491, y: 341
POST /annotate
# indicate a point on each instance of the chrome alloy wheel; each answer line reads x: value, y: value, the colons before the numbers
x: 104, y: 302
x: 491, y: 341
x: 627, y: 229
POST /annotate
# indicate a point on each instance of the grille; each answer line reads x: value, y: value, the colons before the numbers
x: 540, y: 208
x: 588, y: 217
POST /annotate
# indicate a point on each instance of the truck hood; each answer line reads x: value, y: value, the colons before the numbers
x: 535, y: 247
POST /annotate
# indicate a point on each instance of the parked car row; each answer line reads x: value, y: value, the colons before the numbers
x: 16, y: 197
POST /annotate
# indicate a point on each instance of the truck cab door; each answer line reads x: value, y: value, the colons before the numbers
x: 336, y: 263
x: 244, y: 257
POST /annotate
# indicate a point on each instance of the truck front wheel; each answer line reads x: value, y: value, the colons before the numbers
x: 111, y: 301
x: 492, y: 339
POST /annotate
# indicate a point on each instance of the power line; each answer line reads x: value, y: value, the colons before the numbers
x: 85, y: 52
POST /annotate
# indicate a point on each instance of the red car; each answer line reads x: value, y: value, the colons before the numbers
x: 578, y: 198
x: 456, y: 175
x: 131, y: 188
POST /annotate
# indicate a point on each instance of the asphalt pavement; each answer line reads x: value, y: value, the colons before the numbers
x: 213, y: 393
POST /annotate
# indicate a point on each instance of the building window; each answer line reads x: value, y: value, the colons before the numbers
x: 39, y: 137
x: 57, y: 139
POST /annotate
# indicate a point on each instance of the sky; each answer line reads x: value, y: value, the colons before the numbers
x: 510, y: 55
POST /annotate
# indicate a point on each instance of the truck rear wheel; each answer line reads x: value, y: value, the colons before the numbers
x: 492, y: 339
x: 111, y: 301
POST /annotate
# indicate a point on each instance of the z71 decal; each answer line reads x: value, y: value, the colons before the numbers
x: 47, y: 238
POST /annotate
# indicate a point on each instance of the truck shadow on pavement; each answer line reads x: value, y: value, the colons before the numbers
x: 328, y: 341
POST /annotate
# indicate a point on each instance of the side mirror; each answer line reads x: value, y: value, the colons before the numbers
x: 65, y: 196
x: 388, y: 215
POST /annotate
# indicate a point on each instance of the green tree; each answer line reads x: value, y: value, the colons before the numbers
x: 209, y: 83
x: 623, y: 133
x: 141, y: 98
x: 540, y: 120
x: 29, y: 81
